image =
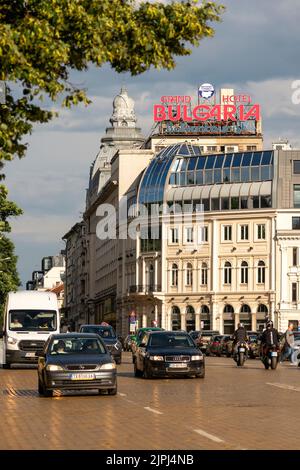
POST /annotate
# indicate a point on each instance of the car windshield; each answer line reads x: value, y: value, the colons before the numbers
x: 32, y: 320
x: 103, y: 331
x: 171, y: 341
x: 76, y: 346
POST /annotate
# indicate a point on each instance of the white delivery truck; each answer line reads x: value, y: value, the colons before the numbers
x: 30, y: 317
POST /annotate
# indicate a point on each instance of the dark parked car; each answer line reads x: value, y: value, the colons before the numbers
x: 75, y: 361
x: 108, y: 335
x: 168, y: 353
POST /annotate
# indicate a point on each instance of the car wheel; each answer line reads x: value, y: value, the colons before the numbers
x: 112, y: 391
x: 118, y: 361
x: 147, y: 374
x: 40, y: 387
x: 45, y: 391
x: 137, y: 372
x: 6, y: 366
x: 201, y: 376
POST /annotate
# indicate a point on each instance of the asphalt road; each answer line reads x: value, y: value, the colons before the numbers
x: 232, y: 408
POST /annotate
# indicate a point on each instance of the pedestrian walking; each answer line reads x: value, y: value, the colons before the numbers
x: 288, y: 346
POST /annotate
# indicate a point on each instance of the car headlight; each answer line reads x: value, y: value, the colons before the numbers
x: 197, y: 358
x: 54, y: 367
x: 108, y: 366
x: 12, y: 340
x: 156, y: 358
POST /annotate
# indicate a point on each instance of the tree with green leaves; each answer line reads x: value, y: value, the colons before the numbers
x: 42, y: 41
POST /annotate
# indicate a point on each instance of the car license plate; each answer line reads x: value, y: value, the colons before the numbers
x: 180, y: 365
x: 82, y: 376
x: 30, y: 354
x: 242, y: 349
x: 273, y: 353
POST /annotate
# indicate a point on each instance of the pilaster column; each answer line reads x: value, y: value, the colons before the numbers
x: 197, y: 321
x: 183, y: 321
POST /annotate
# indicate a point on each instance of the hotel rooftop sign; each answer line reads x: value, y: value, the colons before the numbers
x: 234, y: 114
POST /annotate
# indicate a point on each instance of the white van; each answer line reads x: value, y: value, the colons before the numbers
x: 30, y: 317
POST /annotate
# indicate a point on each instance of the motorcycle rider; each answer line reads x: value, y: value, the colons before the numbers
x: 239, y: 336
x: 269, y: 338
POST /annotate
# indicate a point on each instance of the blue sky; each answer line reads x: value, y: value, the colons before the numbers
x: 255, y: 50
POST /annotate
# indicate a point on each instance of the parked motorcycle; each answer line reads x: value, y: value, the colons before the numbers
x: 240, y: 353
x: 270, y: 357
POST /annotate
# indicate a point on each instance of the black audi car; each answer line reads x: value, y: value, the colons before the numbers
x: 108, y: 335
x: 168, y: 353
x: 75, y: 361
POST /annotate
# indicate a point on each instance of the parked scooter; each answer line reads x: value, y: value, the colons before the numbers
x: 270, y: 357
x: 240, y: 354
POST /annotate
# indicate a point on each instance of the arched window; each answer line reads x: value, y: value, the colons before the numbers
x: 204, y: 270
x: 174, y: 275
x: 175, y: 318
x: 205, y: 310
x: 189, y: 274
x: 190, y: 318
x: 244, y: 272
x: 262, y: 309
x: 261, y: 272
x: 245, y: 309
x: 205, y: 318
x: 227, y: 272
x: 228, y: 309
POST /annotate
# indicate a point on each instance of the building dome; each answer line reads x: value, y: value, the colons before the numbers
x: 123, y: 110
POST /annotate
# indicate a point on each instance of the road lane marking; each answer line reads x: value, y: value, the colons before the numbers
x: 209, y: 436
x: 284, y: 386
x: 152, y: 410
x: 122, y: 394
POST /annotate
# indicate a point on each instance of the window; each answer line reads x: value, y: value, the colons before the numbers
x: 189, y: 274
x: 244, y: 202
x: 261, y: 232
x: 297, y: 195
x: 215, y: 203
x: 227, y: 272
x: 174, y: 235
x: 294, y: 292
x: 211, y: 148
x: 265, y: 201
x: 204, y: 234
x: 244, y: 272
x: 296, y: 164
x: 234, y: 203
x: 296, y: 223
x: 189, y: 234
x: 174, y: 278
x: 251, y: 148
x: 227, y: 232
x: 244, y: 232
x: 204, y: 270
x: 224, y: 203
x: 261, y: 272
x: 295, y: 256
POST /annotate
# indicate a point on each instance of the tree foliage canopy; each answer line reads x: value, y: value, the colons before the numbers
x: 42, y: 41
